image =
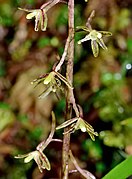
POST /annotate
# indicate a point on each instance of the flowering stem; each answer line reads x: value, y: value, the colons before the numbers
x: 88, y: 23
x: 44, y: 143
x: 57, y: 68
x: 49, y: 4
x: 69, y: 97
x: 86, y: 174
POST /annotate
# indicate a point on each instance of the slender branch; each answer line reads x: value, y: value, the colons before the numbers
x: 49, y: 4
x: 57, y: 68
x: 88, y: 23
x: 44, y: 143
x: 84, y: 173
x: 56, y: 140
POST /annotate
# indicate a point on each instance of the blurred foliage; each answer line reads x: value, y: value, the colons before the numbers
x: 102, y: 86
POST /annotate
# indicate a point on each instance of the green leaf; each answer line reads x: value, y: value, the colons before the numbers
x: 121, y: 171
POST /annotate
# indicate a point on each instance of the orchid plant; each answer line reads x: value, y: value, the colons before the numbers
x: 53, y: 83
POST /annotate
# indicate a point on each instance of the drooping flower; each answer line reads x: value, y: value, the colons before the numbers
x: 40, y: 18
x: 52, y: 82
x: 95, y: 37
x: 39, y: 157
x: 40, y: 15
x: 78, y: 123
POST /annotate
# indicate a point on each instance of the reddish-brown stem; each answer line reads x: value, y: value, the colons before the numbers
x: 69, y: 97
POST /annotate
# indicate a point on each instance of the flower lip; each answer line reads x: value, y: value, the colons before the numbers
x: 32, y: 14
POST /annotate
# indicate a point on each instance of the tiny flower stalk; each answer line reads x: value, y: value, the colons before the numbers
x: 40, y: 15
x: 52, y: 81
x: 78, y: 123
x: 86, y: 174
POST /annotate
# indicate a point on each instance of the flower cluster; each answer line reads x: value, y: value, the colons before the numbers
x: 52, y: 82
x: 95, y: 37
x: 78, y: 123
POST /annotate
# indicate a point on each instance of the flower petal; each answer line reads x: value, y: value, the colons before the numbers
x: 91, y: 135
x: 46, y: 92
x: 95, y: 48
x: 37, y: 20
x: 45, y: 162
x: 44, y: 20
x: 84, y: 28
x: 27, y: 10
x: 22, y: 156
x: 31, y: 15
x: 28, y: 158
x: 105, y: 33
x: 101, y: 43
x: 67, y: 123
x: 49, y: 78
x: 62, y: 78
x: 87, y: 37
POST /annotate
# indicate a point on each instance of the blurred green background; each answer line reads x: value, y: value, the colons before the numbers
x: 102, y: 86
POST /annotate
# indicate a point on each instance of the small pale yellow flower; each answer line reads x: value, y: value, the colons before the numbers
x: 79, y: 123
x: 39, y: 157
x: 40, y: 14
x: 53, y: 83
x: 40, y: 18
x: 96, y: 38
